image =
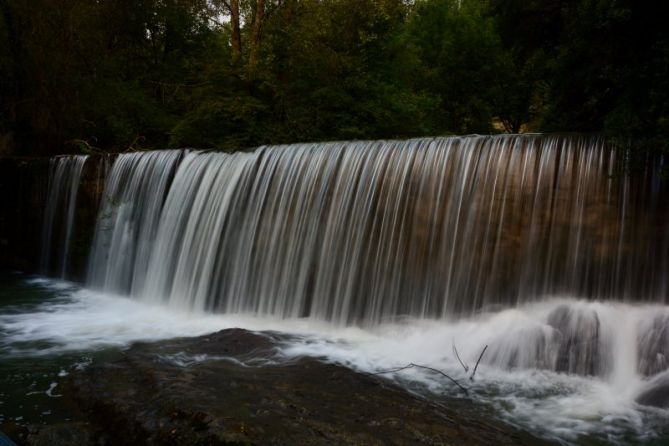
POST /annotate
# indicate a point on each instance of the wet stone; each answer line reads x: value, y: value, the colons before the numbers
x: 656, y: 392
x: 579, y: 342
x: 653, y: 345
x: 216, y: 390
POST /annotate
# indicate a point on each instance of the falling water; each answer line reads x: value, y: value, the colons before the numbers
x: 518, y: 232
x: 59, y: 216
x: 362, y: 232
x: 128, y: 219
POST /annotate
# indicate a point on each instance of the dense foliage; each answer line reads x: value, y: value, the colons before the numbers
x: 229, y: 74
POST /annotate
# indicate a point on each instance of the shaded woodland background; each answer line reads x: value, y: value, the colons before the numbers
x: 114, y: 75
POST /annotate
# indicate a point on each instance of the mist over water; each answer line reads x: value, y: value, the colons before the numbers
x: 383, y: 253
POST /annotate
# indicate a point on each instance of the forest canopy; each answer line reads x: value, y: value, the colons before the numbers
x: 229, y: 74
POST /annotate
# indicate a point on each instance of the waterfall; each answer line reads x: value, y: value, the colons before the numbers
x: 59, y: 215
x: 362, y: 232
x: 128, y: 219
x: 369, y: 232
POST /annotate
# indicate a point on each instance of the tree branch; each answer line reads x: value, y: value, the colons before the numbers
x: 455, y: 351
x: 471, y: 378
x: 411, y: 365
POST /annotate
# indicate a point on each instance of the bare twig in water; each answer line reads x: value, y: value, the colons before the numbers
x: 471, y: 378
x: 455, y: 351
x: 411, y: 365
x: 399, y: 369
x: 464, y: 389
x: 453, y: 380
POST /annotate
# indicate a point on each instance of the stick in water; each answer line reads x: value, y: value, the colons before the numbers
x: 464, y: 389
x: 411, y: 365
x: 455, y: 351
x: 471, y: 378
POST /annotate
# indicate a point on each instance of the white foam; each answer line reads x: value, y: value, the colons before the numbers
x: 81, y: 319
x: 50, y: 390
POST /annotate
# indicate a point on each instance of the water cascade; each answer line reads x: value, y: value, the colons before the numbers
x: 129, y: 217
x: 59, y: 216
x: 365, y: 233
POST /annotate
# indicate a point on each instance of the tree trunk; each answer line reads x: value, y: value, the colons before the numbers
x: 258, y: 19
x: 236, y: 33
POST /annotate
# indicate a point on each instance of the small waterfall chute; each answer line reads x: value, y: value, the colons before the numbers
x: 59, y: 216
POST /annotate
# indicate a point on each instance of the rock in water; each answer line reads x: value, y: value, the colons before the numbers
x: 656, y: 392
x: 579, y: 349
x: 653, y: 345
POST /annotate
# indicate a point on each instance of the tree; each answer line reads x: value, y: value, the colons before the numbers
x: 230, y: 74
x: 462, y: 57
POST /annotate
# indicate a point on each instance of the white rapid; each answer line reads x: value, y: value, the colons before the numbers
x: 59, y: 216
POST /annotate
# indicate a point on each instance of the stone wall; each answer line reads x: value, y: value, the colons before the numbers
x: 23, y: 192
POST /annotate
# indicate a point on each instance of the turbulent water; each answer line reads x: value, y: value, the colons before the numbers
x: 384, y: 253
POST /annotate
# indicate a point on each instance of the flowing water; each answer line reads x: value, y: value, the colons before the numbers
x: 64, y: 178
x: 384, y: 253
x: 362, y: 232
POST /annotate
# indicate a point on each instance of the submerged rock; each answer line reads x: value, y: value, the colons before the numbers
x: 579, y: 344
x: 653, y: 345
x: 232, y: 387
x: 656, y: 392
